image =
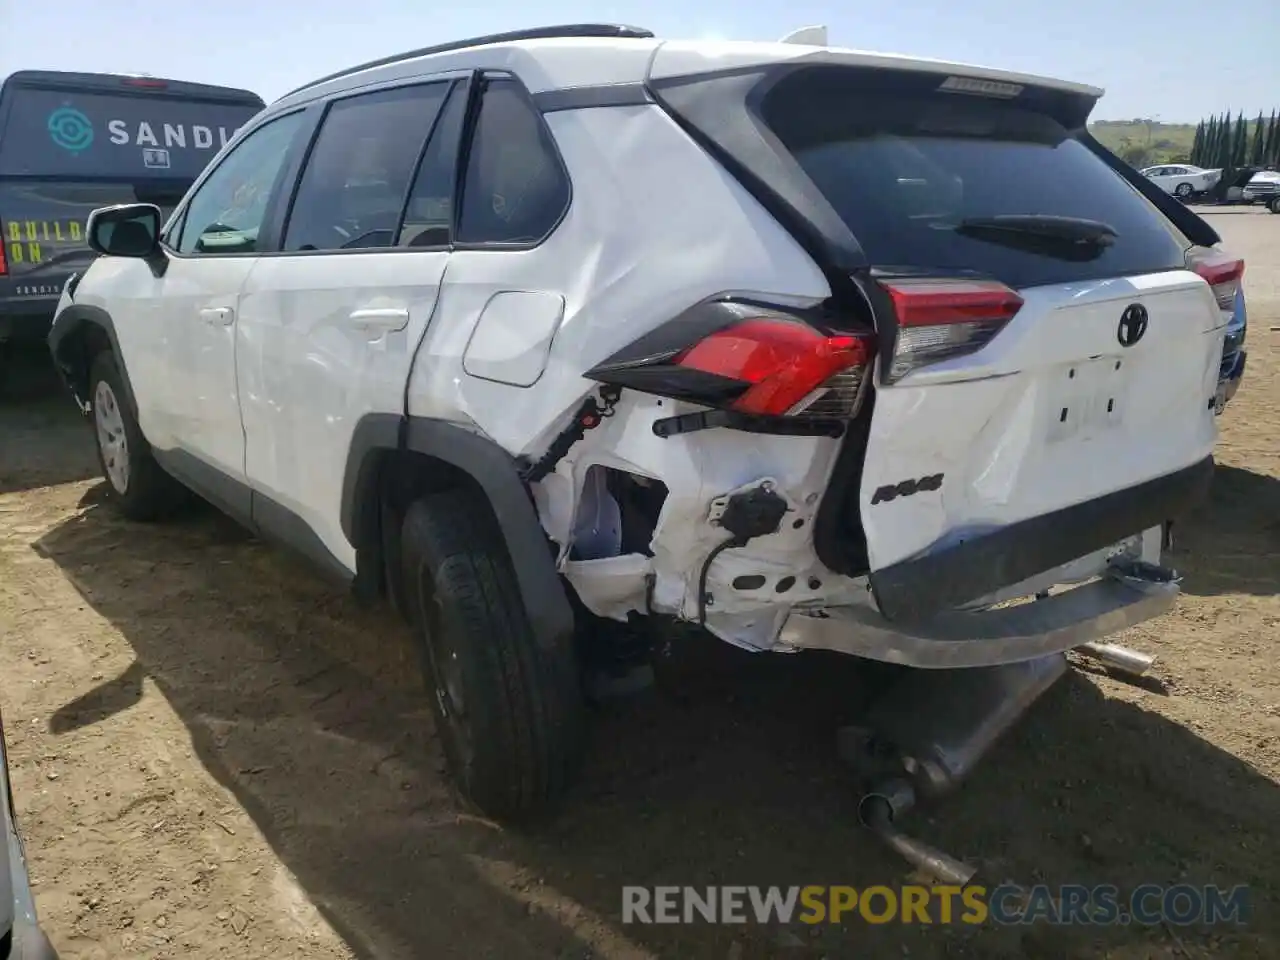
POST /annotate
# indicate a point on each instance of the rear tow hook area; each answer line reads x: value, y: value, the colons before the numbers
x: 925, y: 734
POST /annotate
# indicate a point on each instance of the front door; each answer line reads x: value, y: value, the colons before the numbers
x: 213, y: 246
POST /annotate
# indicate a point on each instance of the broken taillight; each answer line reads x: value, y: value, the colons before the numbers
x: 1222, y: 272
x: 939, y: 319
x: 750, y: 359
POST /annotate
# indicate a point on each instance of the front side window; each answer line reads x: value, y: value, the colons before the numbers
x: 226, y: 213
x: 353, y: 189
x: 516, y: 189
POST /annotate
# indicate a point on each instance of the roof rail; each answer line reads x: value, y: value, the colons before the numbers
x: 533, y: 33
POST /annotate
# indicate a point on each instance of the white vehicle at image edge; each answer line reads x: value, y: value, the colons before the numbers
x: 552, y: 335
x: 1182, y: 180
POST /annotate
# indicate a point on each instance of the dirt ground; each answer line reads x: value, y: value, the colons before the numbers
x: 215, y: 754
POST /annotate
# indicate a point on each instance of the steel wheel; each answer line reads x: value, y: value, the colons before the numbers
x: 112, y: 439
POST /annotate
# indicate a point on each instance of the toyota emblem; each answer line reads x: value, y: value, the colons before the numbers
x: 1133, y: 325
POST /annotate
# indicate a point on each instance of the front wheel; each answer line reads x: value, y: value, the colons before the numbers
x: 139, y: 487
x: 1274, y: 206
x: 508, y: 708
x: 1182, y: 191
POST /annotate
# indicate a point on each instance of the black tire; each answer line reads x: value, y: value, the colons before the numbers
x: 149, y: 493
x: 509, y: 710
x: 1274, y: 205
x: 1183, y: 191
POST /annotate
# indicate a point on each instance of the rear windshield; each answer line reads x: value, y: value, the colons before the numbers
x: 63, y: 133
x: 42, y: 222
x: 907, y: 168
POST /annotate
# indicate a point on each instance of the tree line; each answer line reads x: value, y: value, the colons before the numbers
x: 1221, y: 142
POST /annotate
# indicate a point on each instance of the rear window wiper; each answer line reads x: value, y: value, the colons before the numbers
x: 1067, y: 238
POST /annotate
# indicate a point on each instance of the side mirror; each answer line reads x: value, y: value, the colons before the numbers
x: 125, y: 230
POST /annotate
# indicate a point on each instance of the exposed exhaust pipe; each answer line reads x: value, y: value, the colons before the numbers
x: 939, y: 724
x: 880, y: 808
x: 1111, y: 655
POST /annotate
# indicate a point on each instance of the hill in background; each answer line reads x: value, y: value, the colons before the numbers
x: 1146, y: 142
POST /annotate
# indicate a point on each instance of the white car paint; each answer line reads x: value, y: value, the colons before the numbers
x: 1182, y: 179
x: 262, y: 366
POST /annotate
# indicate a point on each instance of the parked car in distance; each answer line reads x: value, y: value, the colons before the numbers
x: 1182, y: 180
x: 593, y: 328
x: 20, y: 935
x: 1264, y: 187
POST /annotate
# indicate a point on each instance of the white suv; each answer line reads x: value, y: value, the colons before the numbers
x: 811, y: 347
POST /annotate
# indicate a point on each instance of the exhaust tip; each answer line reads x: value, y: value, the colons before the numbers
x: 885, y: 803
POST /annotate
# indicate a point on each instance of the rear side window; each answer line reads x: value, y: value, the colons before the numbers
x: 911, y: 171
x: 356, y: 179
x: 516, y: 189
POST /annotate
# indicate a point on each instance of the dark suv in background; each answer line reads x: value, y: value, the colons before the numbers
x: 72, y: 142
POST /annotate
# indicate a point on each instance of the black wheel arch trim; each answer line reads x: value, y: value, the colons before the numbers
x: 494, y: 471
x: 68, y: 322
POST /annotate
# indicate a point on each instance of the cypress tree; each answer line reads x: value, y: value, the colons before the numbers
x: 1224, y: 143
x: 1256, y: 154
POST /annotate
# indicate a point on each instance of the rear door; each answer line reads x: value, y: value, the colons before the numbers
x: 329, y: 324
x: 1044, y: 342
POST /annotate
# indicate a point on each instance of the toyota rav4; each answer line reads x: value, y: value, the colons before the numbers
x: 547, y: 333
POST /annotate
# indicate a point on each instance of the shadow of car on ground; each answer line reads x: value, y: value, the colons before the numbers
x: 311, y: 711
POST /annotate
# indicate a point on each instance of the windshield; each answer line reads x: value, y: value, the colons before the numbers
x: 910, y: 172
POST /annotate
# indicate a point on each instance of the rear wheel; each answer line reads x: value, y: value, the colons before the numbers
x: 1182, y: 191
x: 508, y: 708
x: 139, y: 487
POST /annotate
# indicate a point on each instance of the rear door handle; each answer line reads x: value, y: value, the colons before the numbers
x: 380, y: 319
x: 218, y: 316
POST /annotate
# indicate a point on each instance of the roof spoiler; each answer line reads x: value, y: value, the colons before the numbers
x: 810, y: 36
x: 1194, y: 228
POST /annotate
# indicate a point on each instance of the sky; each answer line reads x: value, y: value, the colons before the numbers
x: 1175, y: 61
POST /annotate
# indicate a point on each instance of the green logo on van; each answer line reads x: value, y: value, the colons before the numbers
x: 70, y: 129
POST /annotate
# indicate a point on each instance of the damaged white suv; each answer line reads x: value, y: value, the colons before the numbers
x: 812, y: 347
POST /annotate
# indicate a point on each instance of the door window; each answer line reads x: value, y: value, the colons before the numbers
x: 227, y: 211
x: 353, y: 189
x: 428, y: 216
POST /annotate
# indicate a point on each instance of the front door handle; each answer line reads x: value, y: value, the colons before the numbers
x: 380, y: 319
x: 218, y: 316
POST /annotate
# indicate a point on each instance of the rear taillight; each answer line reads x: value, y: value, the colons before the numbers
x: 749, y: 359
x: 1223, y: 273
x: 941, y: 319
x: 4, y: 264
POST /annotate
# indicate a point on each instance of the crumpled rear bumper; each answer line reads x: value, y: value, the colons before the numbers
x: 984, y: 638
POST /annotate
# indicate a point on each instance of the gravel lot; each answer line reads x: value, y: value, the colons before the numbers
x: 217, y: 755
